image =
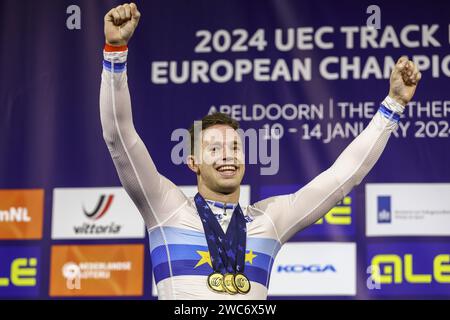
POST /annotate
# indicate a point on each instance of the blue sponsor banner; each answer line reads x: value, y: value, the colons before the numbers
x: 409, y: 268
x: 338, y: 222
x: 19, y: 271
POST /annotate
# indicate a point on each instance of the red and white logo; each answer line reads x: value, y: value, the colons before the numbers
x: 102, y: 206
x: 95, y: 213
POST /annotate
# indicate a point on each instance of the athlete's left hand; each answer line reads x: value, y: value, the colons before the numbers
x: 404, y: 80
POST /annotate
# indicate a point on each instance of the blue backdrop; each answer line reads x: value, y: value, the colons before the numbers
x: 51, y: 137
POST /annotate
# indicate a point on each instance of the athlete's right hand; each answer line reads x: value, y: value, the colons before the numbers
x: 120, y: 23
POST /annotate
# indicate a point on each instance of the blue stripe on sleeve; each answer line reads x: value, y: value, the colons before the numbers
x: 118, y: 67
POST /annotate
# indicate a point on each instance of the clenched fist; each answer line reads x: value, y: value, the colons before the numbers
x: 120, y: 24
x: 404, y: 80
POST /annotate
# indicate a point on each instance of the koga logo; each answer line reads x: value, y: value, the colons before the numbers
x: 22, y: 273
x: 392, y: 268
x: 15, y: 215
x: 303, y: 268
x: 101, y: 208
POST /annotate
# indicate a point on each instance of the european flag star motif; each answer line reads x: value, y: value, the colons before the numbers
x: 205, y: 258
x: 250, y: 256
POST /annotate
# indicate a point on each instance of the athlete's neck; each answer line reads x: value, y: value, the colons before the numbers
x: 217, y: 196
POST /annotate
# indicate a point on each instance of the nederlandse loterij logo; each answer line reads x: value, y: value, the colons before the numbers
x: 72, y: 273
x: 99, y: 210
x: 97, y: 270
x: 384, y: 213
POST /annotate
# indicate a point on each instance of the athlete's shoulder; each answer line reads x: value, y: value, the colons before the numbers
x: 271, y: 204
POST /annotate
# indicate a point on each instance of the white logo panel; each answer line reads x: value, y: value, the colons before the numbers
x: 314, y: 269
x: 408, y: 209
x: 95, y: 213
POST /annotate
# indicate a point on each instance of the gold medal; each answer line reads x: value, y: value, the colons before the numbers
x: 228, y: 283
x: 215, y: 282
x: 242, y: 283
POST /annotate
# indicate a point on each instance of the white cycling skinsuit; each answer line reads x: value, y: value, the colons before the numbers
x: 179, y: 251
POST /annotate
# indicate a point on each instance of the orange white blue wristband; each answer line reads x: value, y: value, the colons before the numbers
x: 115, y: 58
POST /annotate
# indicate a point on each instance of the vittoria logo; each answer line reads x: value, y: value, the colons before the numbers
x: 103, y: 205
x: 95, y: 213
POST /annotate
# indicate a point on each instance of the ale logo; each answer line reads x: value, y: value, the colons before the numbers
x: 22, y: 273
x: 102, y: 206
x: 341, y: 214
x: 397, y: 269
x: 19, y: 271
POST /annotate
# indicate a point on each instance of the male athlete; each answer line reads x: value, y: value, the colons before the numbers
x: 187, y: 249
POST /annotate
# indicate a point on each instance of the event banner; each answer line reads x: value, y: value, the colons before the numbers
x: 303, y: 78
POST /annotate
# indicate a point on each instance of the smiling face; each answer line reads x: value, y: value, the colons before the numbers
x: 221, y: 168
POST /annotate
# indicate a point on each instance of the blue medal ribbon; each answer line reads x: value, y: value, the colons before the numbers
x: 227, y: 251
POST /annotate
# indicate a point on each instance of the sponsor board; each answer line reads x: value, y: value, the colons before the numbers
x: 409, y: 268
x: 95, y: 213
x: 313, y: 269
x: 19, y: 271
x: 408, y: 209
x: 97, y: 270
x: 21, y: 214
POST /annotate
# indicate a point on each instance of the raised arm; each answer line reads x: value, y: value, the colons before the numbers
x: 294, y: 212
x: 154, y: 195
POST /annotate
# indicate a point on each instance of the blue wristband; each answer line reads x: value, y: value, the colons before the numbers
x: 389, y: 114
